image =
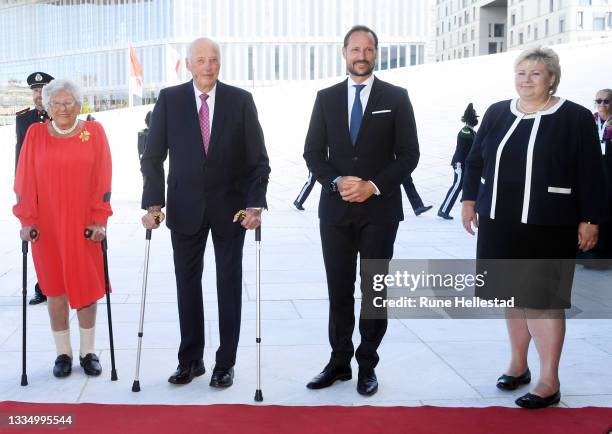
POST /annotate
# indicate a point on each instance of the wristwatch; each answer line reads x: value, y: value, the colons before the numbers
x: 332, y: 185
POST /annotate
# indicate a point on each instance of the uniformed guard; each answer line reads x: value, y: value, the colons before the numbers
x: 465, y: 138
x: 24, y: 119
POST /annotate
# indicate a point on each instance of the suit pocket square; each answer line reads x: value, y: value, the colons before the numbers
x: 381, y: 111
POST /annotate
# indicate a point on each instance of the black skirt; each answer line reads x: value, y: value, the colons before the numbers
x: 532, y: 263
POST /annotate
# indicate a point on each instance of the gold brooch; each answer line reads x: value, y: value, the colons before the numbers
x: 84, y: 136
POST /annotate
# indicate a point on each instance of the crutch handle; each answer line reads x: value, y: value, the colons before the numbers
x: 258, y: 233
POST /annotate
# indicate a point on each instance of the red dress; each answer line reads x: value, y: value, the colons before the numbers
x: 62, y: 186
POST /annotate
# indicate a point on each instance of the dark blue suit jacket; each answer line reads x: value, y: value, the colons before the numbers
x: 232, y: 176
x: 386, y: 151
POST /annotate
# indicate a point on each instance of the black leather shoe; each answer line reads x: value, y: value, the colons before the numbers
x: 367, y: 384
x: 91, y: 364
x: 298, y: 205
x: 420, y: 210
x: 185, y: 372
x: 508, y: 382
x: 222, y: 378
x: 329, y: 376
x: 445, y: 215
x: 531, y: 401
x: 63, y: 366
x: 39, y: 297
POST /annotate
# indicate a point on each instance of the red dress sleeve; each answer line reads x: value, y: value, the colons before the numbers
x: 26, y: 187
x: 101, y: 177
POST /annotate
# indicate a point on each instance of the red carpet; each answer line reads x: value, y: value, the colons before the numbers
x: 237, y: 419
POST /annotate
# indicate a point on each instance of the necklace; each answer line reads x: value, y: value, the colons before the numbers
x: 520, y: 106
x: 66, y: 131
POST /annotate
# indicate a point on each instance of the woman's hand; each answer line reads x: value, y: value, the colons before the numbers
x: 469, y: 218
x: 29, y: 233
x: 98, y: 232
x: 587, y: 236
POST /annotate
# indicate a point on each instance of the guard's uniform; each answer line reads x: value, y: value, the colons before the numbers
x: 23, y: 120
x: 465, y: 138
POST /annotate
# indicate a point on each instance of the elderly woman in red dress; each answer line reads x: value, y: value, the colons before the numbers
x: 63, y: 184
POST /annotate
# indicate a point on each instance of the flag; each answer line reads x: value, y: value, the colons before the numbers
x: 173, y: 64
x: 135, y: 73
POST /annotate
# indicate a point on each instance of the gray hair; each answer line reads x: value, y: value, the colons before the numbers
x: 202, y: 40
x: 59, y: 85
x: 608, y: 91
x: 548, y: 57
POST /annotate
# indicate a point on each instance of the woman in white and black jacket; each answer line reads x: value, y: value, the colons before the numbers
x: 534, y: 187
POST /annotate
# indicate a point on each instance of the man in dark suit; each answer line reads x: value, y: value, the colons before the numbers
x: 361, y: 144
x: 23, y: 120
x: 218, y: 166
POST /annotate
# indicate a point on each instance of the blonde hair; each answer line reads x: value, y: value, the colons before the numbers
x: 548, y: 57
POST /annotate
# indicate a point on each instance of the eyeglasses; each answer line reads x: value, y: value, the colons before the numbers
x: 604, y: 101
x: 66, y: 105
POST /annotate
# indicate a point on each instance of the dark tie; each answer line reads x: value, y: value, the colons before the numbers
x: 356, y: 113
x: 204, y: 122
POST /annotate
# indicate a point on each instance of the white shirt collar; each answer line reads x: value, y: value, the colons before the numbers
x: 211, y: 94
x: 368, y: 82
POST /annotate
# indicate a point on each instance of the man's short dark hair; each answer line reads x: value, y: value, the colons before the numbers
x: 360, y: 28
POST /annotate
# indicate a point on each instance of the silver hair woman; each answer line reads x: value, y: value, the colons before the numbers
x: 63, y: 183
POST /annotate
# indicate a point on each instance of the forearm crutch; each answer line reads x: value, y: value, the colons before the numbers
x: 24, y: 294
x: 258, y: 394
x: 136, y: 384
x: 104, y: 246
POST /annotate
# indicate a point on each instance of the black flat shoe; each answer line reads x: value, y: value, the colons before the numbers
x: 39, y: 297
x: 367, y: 384
x: 420, y: 210
x: 298, y: 205
x: 63, y: 366
x: 91, y: 364
x: 329, y: 376
x: 508, y: 382
x: 222, y: 378
x: 186, y: 372
x: 444, y: 215
x: 531, y: 401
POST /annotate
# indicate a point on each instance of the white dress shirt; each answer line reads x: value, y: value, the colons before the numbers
x: 210, y: 101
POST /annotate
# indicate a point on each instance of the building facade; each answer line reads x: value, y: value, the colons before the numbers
x: 465, y: 28
x: 262, y: 41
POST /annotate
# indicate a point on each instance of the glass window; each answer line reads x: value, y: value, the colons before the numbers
x: 384, y: 58
x: 393, y: 57
x: 599, y: 23
x: 498, y: 30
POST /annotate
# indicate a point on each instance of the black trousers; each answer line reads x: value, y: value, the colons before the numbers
x: 306, y: 189
x: 413, y: 196
x: 341, y: 245
x: 188, y: 267
x: 453, y: 192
